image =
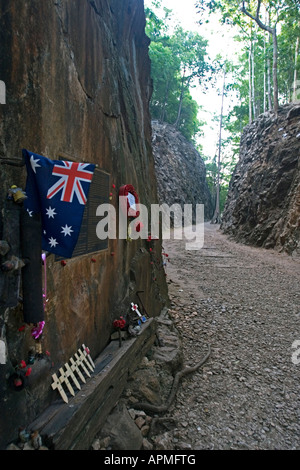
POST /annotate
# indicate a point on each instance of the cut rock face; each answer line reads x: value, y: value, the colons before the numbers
x: 180, y: 170
x: 263, y: 204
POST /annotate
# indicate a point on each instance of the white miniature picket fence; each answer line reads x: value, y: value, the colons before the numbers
x: 81, y: 363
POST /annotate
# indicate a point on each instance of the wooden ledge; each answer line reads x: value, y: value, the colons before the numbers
x: 74, y: 425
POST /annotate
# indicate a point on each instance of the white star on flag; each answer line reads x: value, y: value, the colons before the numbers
x: 34, y: 163
x: 52, y: 242
x: 67, y: 230
x: 50, y: 212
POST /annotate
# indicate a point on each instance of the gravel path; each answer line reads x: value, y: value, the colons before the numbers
x: 245, y: 303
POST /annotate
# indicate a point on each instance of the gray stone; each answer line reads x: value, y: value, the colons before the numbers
x: 122, y: 430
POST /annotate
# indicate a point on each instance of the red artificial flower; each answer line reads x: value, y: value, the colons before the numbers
x: 22, y: 364
x: 22, y: 328
x: 28, y: 372
x: 119, y: 323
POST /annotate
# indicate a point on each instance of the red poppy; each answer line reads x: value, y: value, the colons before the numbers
x: 119, y: 323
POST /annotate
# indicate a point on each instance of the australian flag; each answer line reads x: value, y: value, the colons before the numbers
x: 58, y: 190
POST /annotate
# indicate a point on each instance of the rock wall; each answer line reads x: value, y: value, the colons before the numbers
x: 77, y: 77
x: 263, y: 204
x: 180, y: 170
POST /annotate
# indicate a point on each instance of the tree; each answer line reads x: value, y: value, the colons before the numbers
x: 287, y: 12
x: 190, y: 48
x: 295, y: 69
x: 272, y: 30
x: 164, y: 70
x: 178, y: 60
x: 217, y: 215
x: 288, y: 46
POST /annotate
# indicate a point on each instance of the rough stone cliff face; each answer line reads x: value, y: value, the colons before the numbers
x: 180, y: 169
x: 263, y: 204
x: 77, y: 75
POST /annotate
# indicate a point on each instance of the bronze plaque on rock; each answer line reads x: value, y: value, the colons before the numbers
x: 88, y: 242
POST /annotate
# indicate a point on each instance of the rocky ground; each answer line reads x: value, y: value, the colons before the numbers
x: 244, y: 303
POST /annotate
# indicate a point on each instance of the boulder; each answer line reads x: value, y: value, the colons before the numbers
x: 120, y: 431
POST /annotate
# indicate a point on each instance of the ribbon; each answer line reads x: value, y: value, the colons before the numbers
x: 37, y: 330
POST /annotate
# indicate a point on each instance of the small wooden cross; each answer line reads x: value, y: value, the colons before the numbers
x: 84, y: 360
x: 57, y: 385
x: 134, y: 308
x: 80, y: 359
x: 69, y: 373
x: 75, y: 368
x: 80, y: 363
x: 86, y: 352
x: 64, y: 378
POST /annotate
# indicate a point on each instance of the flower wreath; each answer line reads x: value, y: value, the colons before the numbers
x: 132, y: 198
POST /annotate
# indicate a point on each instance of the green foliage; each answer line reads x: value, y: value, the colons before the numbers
x: 225, y: 176
x: 178, y: 60
x: 285, y: 15
x: 252, y: 78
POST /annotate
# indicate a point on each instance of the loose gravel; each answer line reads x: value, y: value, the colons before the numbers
x: 245, y: 303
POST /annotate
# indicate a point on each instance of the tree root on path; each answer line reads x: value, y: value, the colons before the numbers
x: 163, y: 408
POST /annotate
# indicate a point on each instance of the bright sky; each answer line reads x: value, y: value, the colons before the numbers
x: 220, y: 42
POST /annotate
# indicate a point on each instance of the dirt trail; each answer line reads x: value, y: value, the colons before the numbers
x: 245, y: 303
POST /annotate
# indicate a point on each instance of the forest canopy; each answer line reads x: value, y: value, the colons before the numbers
x: 178, y: 62
x: 265, y: 76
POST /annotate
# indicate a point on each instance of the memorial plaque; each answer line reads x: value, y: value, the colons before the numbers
x: 88, y: 242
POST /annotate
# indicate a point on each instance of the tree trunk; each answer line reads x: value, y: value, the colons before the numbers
x: 275, y: 79
x: 217, y: 216
x: 250, y: 83
x: 253, y: 82
x: 295, y: 87
x: 163, y: 112
x: 176, y: 124
x: 265, y: 75
x: 269, y: 71
x: 273, y: 32
x: 269, y: 84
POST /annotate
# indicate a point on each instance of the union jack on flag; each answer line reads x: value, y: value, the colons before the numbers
x: 58, y: 190
x: 71, y: 174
